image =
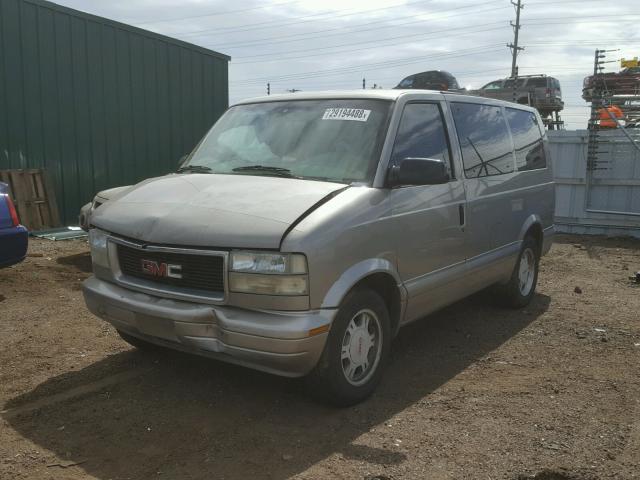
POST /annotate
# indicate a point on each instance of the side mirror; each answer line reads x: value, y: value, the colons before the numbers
x: 182, y: 160
x: 418, y: 171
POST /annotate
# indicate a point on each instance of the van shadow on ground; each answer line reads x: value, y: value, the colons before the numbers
x: 191, y: 417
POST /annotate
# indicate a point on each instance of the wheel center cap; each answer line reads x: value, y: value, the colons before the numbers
x: 358, y: 348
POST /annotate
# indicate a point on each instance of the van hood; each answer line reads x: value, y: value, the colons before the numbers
x: 210, y: 210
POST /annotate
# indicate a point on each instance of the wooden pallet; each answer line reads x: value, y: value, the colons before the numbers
x: 34, y: 198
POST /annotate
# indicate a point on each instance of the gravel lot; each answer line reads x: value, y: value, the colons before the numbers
x: 473, y: 392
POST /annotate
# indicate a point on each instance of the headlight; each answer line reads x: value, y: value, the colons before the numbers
x: 258, y: 262
x: 98, y: 243
x: 268, y: 273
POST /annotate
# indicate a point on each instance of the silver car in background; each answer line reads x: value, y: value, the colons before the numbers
x: 306, y: 229
x: 539, y: 91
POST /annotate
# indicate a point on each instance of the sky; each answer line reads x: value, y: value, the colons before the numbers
x: 334, y: 44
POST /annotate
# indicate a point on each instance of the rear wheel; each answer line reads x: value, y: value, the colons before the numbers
x: 521, y: 287
x: 356, y: 350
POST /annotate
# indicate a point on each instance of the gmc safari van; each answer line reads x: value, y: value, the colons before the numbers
x: 304, y: 230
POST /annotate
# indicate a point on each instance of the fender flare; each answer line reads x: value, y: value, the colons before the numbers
x: 531, y: 220
x: 358, y: 272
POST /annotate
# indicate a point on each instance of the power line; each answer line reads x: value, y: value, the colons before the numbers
x: 306, y: 50
x: 386, y: 21
x: 277, y: 58
x: 377, y: 65
x: 582, y: 43
x: 213, y: 14
x: 563, y: 21
x: 310, y: 35
x: 331, y: 13
x: 367, y: 42
x: 301, y: 19
x: 544, y: 20
x: 372, y: 66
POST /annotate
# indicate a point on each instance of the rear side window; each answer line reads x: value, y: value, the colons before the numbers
x: 421, y: 134
x: 527, y: 140
x: 484, y: 139
x: 537, y: 82
x: 406, y: 83
x: 509, y: 83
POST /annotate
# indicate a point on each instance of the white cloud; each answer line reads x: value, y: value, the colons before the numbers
x: 283, y: 41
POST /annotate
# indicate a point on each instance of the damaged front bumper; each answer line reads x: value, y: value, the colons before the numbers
x: 284, y: 343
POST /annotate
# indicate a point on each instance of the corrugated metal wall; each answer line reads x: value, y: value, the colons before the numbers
x: 98, y: 103
x: 583, y: 197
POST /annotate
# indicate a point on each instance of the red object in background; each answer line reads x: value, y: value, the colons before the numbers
x: 12, y: 211
x: 605, y: 119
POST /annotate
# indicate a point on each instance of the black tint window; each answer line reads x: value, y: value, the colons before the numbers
x: 406, y: 83
x: 421, y: 134
x: 453, y: 83
x: 484, y: 139
x: 509, y: 83
x: 421, y: 81
x: 537, y: 82
x: 432, y: 77
x: 527, y: 139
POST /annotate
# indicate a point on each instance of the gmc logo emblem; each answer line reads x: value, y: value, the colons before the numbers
x: 157, y: 269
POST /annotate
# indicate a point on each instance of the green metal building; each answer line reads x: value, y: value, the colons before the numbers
x: 98, y: 103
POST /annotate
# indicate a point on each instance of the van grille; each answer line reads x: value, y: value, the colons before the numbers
x: 199, y: 272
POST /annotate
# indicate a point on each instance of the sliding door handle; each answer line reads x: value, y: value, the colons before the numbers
x: 461, y: 212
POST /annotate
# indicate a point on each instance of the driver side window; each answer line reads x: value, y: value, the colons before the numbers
x: 422, y: 134
x: 492, y: 86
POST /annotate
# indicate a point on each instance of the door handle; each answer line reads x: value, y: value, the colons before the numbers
x: 461, y: 212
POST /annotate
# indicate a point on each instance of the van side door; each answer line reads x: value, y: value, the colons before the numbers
x: 491, y: 184
x: 428, y: 219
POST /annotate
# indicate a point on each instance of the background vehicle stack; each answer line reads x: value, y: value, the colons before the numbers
x: 621, y: 89
x: 615, y: 95
x: 539, y: 91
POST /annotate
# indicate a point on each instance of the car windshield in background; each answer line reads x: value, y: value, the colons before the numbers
x: 331, y: 140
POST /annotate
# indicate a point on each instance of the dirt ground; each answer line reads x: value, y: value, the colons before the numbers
x: 473, y: 392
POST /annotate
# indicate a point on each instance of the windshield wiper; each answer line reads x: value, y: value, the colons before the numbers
x: 280, y: 171
x: 194, y: 169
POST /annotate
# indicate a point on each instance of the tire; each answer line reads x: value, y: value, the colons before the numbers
x: 344, y: 375
x: 521, y: 288
x: 137, y: 342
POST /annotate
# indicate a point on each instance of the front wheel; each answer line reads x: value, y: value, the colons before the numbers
x: 356, y: 350
x: 521, y: 288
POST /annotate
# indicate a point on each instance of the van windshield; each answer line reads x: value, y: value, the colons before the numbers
x: 330, y: 140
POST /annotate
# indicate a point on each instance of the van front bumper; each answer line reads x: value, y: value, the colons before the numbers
x: 282, y: 343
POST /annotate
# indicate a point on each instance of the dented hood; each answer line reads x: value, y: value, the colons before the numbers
x: 224, y: 211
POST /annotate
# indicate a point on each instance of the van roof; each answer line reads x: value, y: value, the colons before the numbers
x: 386, y: 94
x: 330, y: 94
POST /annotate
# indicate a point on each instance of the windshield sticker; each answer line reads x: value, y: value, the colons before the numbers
x: 357, y: 114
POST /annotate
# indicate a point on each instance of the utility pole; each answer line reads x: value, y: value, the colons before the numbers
x: 268, y: 89
x: 514, y: 46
